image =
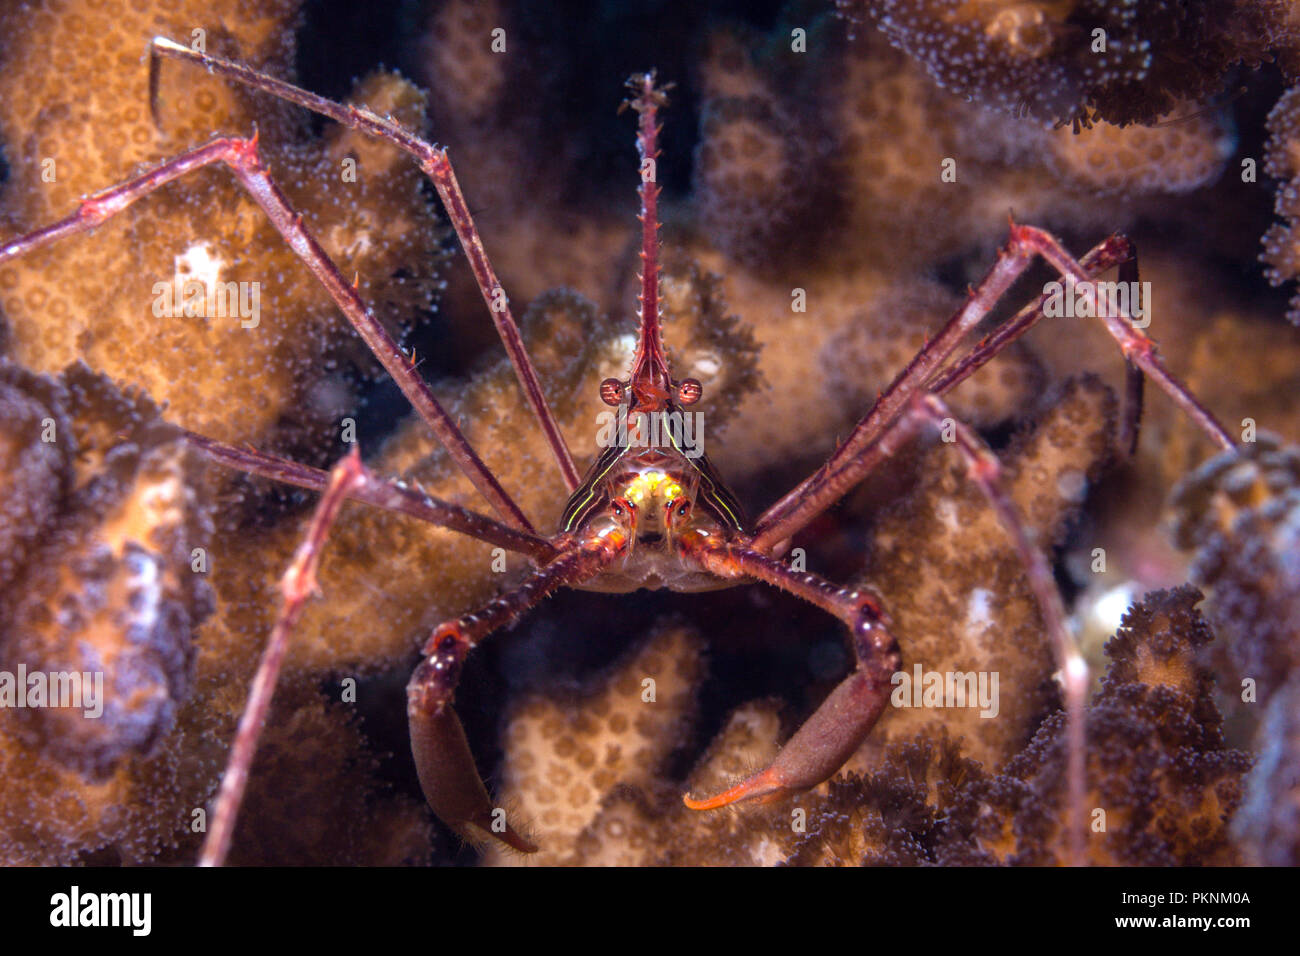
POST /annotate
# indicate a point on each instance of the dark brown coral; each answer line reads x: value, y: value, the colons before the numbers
x: 1157, y: 769
x: 1123, y: 61
x: 1242, y: 511
x: 919, y: 807
x: 1282, y: 161
x: 105, y: 581
x: 1163, y: 785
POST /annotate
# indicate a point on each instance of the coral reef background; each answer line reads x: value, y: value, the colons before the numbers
x: 804, y: 154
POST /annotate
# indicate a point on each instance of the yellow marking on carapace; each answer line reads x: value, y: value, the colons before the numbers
x: 651, y: 483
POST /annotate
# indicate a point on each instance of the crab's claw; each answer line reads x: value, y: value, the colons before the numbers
x: 450, y: 780
x: 764, y: 784
x: 824, y: 743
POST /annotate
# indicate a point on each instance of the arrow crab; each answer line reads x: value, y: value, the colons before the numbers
x: 650, y: 513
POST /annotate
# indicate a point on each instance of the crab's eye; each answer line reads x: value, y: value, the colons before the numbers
x: 689, y: 391
x: 611, y: 391
x: 618, y: 510
x: 681, y: 511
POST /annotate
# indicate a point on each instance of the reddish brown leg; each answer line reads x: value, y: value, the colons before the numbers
x: 443, y: 760
x: 1134, y: 386
x: 854, y: 458
x: 984, y: 469
x: 380, y: 493
x: 1136, y: 345
x: 1094, y: 263
x: 837, y: 728
x: 241, y: 157
x: 817, y: 492
x: 298, y: 583
x: 435, y: 164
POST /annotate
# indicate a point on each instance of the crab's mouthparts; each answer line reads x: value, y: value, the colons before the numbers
x: 652, y: 537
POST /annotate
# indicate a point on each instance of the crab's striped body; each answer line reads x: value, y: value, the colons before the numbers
x: 653, y: 495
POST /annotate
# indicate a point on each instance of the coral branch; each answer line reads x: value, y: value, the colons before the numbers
x: 435, y: 164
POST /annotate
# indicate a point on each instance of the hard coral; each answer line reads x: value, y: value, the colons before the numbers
x: 917, y: 807
x: 1242, y: 511
x: 1267, y: 826
x: 476, y: 58
x: 1186, y: 151
x: 313, y: 794
x: 1158, y: 771
x: 106, y: 588
x: 1282, y: 162
x: 762, y: 156
x: 110, y: 588
x: 954, y: 584
x: 565, y: 755
x: 75, y: 119
x: 1121, y: 60
x: 36, y: 474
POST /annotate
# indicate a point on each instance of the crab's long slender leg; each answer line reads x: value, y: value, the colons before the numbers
x: 1094, y: 263
x: 985, y: 471
x: 435, y: 164
x: 443, y: 761
x: 298, y: 583
x: 812, y: 496
x: 1136, y: 345
x: 241, y: 157
x: 837, y: 728
x: 378, y: 492
x: 846, y: 466
x: 1134, y: 386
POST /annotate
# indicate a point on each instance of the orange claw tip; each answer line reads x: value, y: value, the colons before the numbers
x: 765, y: 784
x: 712, y: 803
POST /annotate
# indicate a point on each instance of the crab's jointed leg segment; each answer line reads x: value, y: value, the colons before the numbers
x: 388, y: 494
x: 837, y: 728
x: 847, y: 466
x: 443, y: 760
x: 435, y: 164
x: 241, y: 157
x: 298, y: 584
x: 985, y: 471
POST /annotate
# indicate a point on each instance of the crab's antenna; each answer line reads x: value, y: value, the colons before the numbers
x: 650, y: 382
